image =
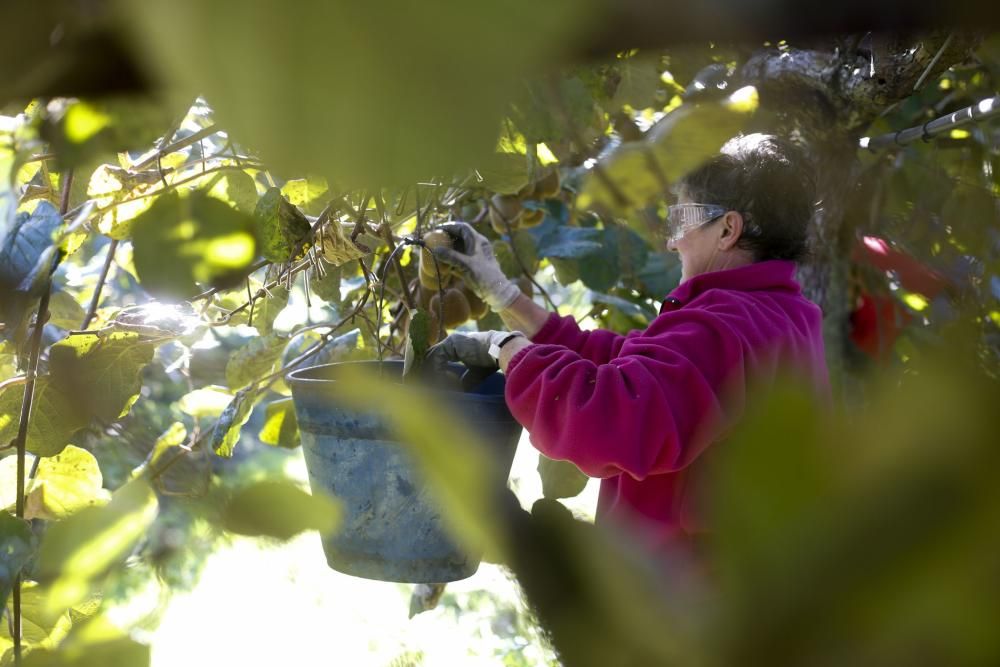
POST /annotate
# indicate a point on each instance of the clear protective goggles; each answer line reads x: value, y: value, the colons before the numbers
x: 682, y: 218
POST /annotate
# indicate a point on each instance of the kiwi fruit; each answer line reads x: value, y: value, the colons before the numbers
x: 456, y: 307
x: 428, y: 274
x: 477, y: 307
x: 532, y: 218
x: 505, y: 208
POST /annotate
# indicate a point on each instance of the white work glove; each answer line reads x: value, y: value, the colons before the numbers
x: 477, y: 349
x: 475, y: 261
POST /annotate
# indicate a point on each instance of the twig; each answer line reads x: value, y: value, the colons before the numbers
x: 92, y: 309
x: 176, y: 146
x: 407, y: 296
x: 21, y: 443
x: 933, y: 62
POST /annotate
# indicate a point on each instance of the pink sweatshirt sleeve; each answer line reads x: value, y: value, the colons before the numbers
x: 598, y: 346
x: 650, y: 409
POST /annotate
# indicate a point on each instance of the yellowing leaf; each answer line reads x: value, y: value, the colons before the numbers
x: 281, y: 426
x: 83, y: 121
x: 205, y: 402
x: 64, y: 484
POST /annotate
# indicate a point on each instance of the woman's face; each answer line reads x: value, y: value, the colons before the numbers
x: 710, y: 247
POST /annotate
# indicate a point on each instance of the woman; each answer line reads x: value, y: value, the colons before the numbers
x: 639, y: 410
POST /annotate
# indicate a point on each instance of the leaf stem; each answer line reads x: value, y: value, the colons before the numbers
x: 92, y: 309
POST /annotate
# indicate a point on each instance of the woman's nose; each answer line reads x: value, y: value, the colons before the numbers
x: 672, y: 244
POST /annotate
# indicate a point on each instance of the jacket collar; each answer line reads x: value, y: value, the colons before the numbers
x: 774, y: 274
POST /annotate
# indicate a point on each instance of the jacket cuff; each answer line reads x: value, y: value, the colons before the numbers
x: 516, y: 359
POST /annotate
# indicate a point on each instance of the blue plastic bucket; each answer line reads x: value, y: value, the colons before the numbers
x: 392, y: 528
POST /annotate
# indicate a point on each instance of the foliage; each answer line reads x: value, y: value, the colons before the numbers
x: 197, y: 249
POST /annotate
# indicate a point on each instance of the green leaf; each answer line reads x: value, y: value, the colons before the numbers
x: 570, y: 242
x: 227, y: 429
x: 81, y: 548
x: 55, y: 417
x: 64, y: 484
x: 327, y: 287
x: 688, y: 136
x: 102, y: 372
x: 281, y: 426
x: 640, y: 79
x: 526, y: 248
x: 26, y: 259
x: 17, y: 546
x: 236, y: 187
x: 279, y: 509
x: 504, y: 172
x: 266, y: 310
x: 418, y: 341
x: 186, y: 240
x: 306, y: 194
x: 254, y: 360
x: 567, y: 270
x: 545, y: 114
x: 64, y: 311
x: 174, y: 436
x: 281, y: 227
x: 560, y: 479
x: 103, y: 127
x: 91, y: 642
x: 355, y: 131
x: 623, y: 253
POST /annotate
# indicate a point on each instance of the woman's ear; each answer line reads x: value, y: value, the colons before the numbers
x: 732, y: 230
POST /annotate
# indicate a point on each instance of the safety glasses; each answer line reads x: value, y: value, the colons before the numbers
x: 682, y: 218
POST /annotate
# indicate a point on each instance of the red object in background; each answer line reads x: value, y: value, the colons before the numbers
x: 876, y: 323
x: 878, y: 319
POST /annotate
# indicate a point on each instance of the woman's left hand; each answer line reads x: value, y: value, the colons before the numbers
x: 479, y: 349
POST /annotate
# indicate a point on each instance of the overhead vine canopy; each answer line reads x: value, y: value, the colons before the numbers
x: 197, y: 197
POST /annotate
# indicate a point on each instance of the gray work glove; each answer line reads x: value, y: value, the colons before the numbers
x: 477, y: 265
x: 477, y: 349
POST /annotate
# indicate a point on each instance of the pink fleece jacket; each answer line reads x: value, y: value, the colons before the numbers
x: 638, y: 410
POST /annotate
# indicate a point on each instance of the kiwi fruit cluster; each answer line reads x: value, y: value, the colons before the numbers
x: 440, y: 292
x: 449, y: 298
x: 509, y: 209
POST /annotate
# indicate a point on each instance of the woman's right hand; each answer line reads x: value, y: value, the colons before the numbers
x: 472, y: 256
